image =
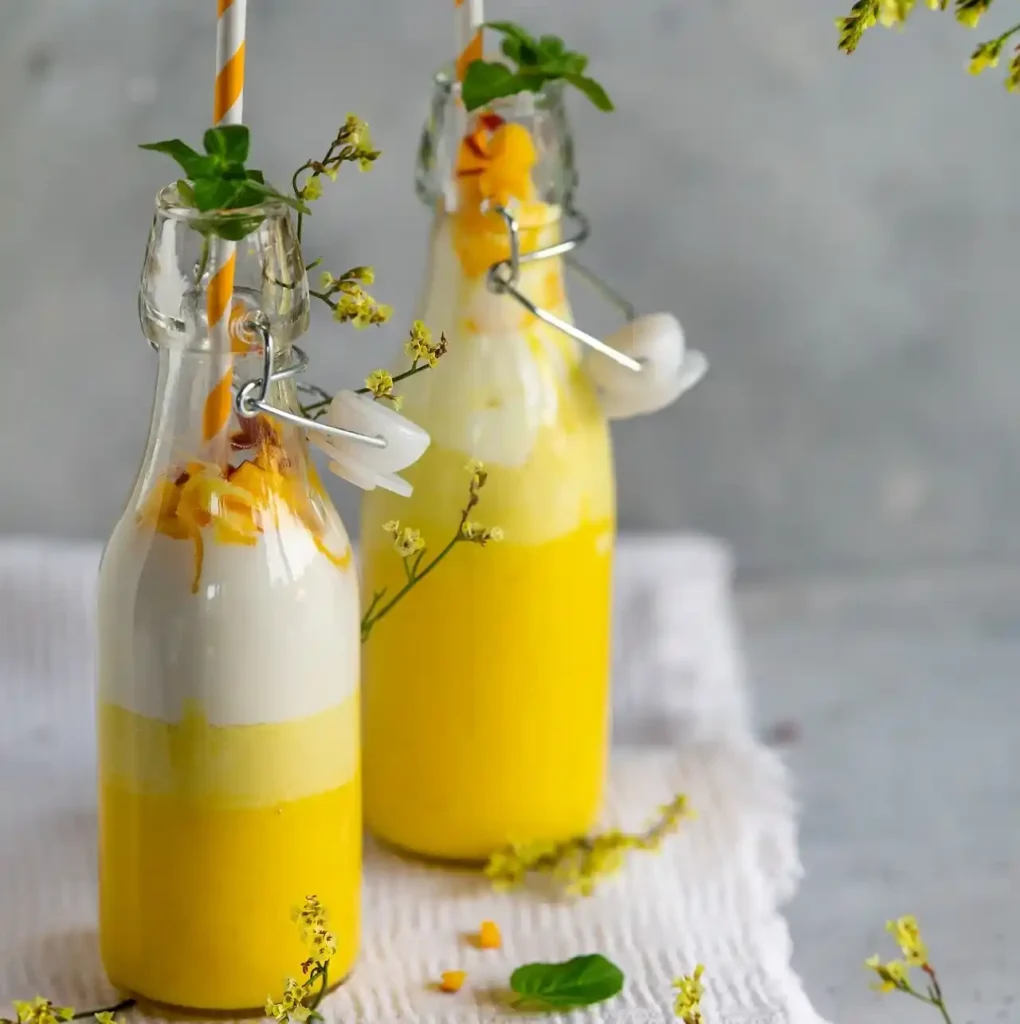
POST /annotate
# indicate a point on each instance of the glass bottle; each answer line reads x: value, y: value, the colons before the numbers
x: 486, y: 690
x: 228, y: 716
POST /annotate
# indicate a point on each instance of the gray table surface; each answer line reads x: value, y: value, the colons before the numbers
x: 906, y: 699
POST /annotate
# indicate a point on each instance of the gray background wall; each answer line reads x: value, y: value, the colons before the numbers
x: 838, y: 234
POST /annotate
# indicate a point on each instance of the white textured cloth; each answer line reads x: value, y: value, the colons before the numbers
x: 711, y: 895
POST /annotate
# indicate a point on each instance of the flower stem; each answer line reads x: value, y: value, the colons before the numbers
x: 399, y: 377
x: 370, y: 620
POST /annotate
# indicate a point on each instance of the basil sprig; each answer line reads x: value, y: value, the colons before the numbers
x: 537, y: 61
x: 217, y: 181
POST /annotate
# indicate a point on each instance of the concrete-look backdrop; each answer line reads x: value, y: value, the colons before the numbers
x: 837, y: 234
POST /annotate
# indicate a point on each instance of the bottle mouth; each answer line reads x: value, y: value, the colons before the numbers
x: 171, y: 205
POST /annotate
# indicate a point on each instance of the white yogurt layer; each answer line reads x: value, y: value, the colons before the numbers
x: 272, y: 634
x: 501, y: 379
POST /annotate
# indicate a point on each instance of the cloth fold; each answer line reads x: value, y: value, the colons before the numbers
x: 711, y: 895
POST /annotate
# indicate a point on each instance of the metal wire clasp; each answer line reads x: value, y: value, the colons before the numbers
x: 253, y: 397
x: 503, y: 276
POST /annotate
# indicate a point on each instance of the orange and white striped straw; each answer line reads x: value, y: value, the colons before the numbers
x: 228, y: 96
x: 470, y: 18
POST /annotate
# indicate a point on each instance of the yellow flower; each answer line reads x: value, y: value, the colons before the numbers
x: 891, y: 976
x: 326, y: 281
x: 688, y: 997
x: 907, y: 935
x: 392, y: 527
x: 380, y: 383
x: 408, y: 542
x: 1013, y: 78
x: 475, y: 466
x: 312, y: 189
x: 970, y: 12
x: 496, y: 533
x: 985, y: 56
x: 41, y: 1011
x: 104, y: 1017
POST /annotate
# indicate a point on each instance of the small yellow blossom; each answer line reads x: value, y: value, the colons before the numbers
x: 475, y: 466
x: 907, y: 935
x: 420, y: 348
x: 312, y: 189
x: 392, y: 527
x: 688, y: 996
x: 452, y: 981
x: 291, y: 1007
x: 354, y: 305
x: 105, y: 1017
x: 408, y: 542
x: 1013, y: 76
x: 985, y: 56
x: 891, y: 976
x: 41, y: 1011
x: 970, y: 12
x: 380, y: 383
x: 482, y: 535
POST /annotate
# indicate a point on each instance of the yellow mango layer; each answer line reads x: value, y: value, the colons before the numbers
x: 486, y: 694
x: 209, y: 838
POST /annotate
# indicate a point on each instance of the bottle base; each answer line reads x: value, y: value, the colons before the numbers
x: 172, y: 1011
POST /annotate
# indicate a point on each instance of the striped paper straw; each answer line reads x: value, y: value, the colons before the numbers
x: 228, y: 95
x: 469, y: 34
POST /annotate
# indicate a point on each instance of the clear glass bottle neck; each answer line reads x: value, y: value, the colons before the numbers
x: 456, y: 143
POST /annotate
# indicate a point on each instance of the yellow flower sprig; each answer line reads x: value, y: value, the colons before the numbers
x: 346, y: 296
x: 411, y: 546
x: 579, y: 864
x: 301, y: 999
x: 866, y: 14
x: 689, y: 991
x: 894, y: 975
x: 43, y: 1011
x: 352, y: 144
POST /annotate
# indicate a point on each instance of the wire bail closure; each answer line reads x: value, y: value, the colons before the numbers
x: 253, y: 397
x: 503, y: 277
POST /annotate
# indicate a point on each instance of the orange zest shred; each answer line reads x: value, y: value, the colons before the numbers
x: 236, y: 505
x: 489, y: 936
x: 452, y: 981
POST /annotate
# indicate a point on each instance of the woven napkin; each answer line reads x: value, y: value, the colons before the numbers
x: 711, y: 895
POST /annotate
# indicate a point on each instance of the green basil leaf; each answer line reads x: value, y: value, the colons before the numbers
x: 485, y: 81
x: 582, y: 981
x: 264, y: 191
x: 216, y: 194
x: 591, y: 89
x: 508, y: 28
x: 233, y: 229
x: 256, y: 176
x: 189, y: 160
x: 551, y: 46
x: 229, y: 142
x: 186, y: 192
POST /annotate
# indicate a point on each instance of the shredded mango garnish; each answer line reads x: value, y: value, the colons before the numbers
x: 452, y: 981
x: 489, y: 936
x: 494, y: 168
x: 237, y: 505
